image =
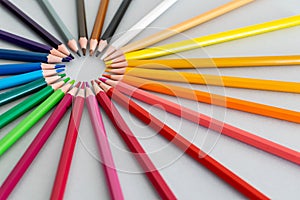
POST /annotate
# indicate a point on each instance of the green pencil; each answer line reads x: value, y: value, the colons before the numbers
x: 18, y: 131
x: 29, y: 103
x: 27, y: 89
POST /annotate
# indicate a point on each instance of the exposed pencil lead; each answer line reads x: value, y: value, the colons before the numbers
x: 84, y: 52
x: 78, y: 53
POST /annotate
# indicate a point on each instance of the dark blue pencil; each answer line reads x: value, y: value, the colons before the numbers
x: 28, y: 56
x: 26, y: 78
x: 13, y: 69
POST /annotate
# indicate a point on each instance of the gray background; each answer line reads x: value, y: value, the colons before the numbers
x: 273, y: 176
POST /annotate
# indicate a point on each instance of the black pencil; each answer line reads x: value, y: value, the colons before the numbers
x: 112, y: 27
x: 48, y: 37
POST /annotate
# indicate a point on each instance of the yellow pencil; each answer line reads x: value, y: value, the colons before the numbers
x: 207, y: 79
x: 211, y: 39
x: 226, y: 62
x: 181, y: 27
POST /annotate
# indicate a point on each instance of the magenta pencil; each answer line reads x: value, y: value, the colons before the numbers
x: 37, y: 144
x: 65, y: 161
x: 103, y: 146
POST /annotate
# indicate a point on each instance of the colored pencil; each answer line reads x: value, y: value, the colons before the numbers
x: 194, y: 63
x: 29, y: 103
x: 20, y: 79
x: 82, y: 29
x: 30, y: 120
x: 12, y: 69
x: 60, y: 25
x: 212, y: 39
x: 27, y: 89
x: 108, y: 163
x: 208, y: 79
x: 37, y: 144
x: 48, y: 37
x: 206, y: 121
x: 27, y: 56
x: 190, y: 149
x: 98, y: 25
x: 29, y: 44
x: 113, y: 25
x: 133, y: 144
x: 181, y: 27
x: 214, y: 99
x: 139, y: 26
x: 65, y: 161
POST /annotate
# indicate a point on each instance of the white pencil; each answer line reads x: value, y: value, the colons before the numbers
x: 139, y: 26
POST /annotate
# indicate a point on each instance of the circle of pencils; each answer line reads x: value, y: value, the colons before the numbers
x: 33, y: 82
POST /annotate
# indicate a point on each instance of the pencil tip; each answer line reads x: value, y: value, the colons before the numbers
x: 78, y: 84
x: 98, y: 53
x: 103, y: 79
x: 82, y: 86
x: 67, y: 59
x: 84, y: 52
x: 72, y: 82
x: 87, y: 84
x: 91, y: 52
x: 59, y: 66
x: 66, y: 80
x: 106, y: 76
x: 78, y: 53
x: 62, y: 75
x: 71, y: 56
x: 60, y: 70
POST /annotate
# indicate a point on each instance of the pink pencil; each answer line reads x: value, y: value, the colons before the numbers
x: 103, y: 146
x: 65, y: 161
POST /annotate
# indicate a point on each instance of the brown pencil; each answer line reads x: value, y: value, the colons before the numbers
x: 96, y: 33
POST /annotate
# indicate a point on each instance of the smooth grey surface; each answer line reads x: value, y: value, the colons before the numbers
x: 273, y: 176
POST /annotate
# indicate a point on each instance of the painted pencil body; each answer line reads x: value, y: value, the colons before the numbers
x: 63, y: 29
x: 82, y: 28
x: 140, y: 26
x: 113, y: 25
x: 12, y: 69
x: 20, y: 79
x: 29, y: 44
x: 213, y: 39
x: 27, y: 56
x: 48, y: 37
x: 98, y: 25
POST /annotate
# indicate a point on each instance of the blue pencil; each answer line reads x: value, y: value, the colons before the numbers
x: 28, y: 56
x: 25, y: 78
x: 12, y: 69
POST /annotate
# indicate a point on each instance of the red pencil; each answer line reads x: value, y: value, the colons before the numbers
x: 37, y: 144
x: 206, y: 121
x: 133, y: 144
x: 68, y: 148
x: 190, y: 149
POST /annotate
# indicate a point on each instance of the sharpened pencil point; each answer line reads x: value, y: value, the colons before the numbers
x: 103, y: 79
x: 106, y: 76
x: 84, y: 52
x: 66, y: 80
x: 60, y: 66
x: 78, y: 53
x: 71, y: 56
x: 72, y: 82
x: 62, y: 75
x: 98, y: 53
x: 67, y: 59
x: 108, y: 62
x: 78, y: 84
x: 107, y: 70
x: 60, y: 70
x: 91, y: 52
x: 82, y: 86
x: 87, y: 84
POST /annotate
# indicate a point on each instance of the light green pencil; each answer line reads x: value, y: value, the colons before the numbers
x: 28, y: 122
x: 65, y: 32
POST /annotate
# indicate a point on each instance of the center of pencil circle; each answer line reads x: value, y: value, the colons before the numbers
x: 85, y: 68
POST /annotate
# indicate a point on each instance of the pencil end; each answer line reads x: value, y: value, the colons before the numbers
x: 84, y: 52
x: 62, y: 75
x: 66, y: 79
x: 71, y: 56
x: 59, y: 66
x: 78, y: 53
x: 97, y: 53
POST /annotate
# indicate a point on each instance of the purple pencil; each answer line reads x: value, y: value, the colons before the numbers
x: 48, y: 37
x: 103, y: 146
x: 29, y: 44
